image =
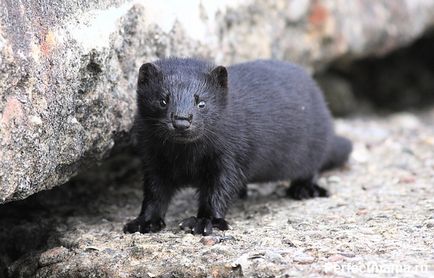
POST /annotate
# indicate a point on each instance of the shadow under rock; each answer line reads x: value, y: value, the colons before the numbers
x: 35, y: 224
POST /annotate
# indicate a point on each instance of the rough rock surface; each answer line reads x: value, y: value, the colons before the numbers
x: 68, y: 68
x: 377, y: 223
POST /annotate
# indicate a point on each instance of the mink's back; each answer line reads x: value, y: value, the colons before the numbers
x: 276, y: 123
x: 275, y: 126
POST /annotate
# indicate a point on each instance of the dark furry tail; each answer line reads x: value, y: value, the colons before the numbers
x: 338, y: 153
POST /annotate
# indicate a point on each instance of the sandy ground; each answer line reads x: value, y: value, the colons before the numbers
x: 379, y: 221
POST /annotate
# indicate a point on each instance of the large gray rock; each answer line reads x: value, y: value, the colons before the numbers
x: 68, y: 68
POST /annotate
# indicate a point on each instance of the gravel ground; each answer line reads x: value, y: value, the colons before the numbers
x: 379, y: 220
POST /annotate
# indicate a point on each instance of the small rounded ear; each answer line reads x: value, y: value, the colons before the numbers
x: 220, y: 75
x: 147, y: 72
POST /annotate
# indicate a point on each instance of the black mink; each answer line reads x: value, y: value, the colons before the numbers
x: 217, y: 129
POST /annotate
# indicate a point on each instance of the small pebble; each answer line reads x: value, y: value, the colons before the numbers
x: 109, y: 251
x: 226, y: 238
x: 406, y: 121
x: 209, y: 240
x: 303, y: 258
x: 362, y: 211
x: 274, y: 257
x: 428, y: 140
x: 288, y: 242
x: 347, y: 254
x: 407, y: 179
x: 334, y: 179
x: 361, y: 154
x: 35, y: 120
x: 429, y: 223
x: 336, y: 258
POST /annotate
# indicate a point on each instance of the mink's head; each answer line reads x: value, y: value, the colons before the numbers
x: 180, y: 100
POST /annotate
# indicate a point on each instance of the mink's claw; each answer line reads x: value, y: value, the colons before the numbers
x: 140, y: 225
x: 203, y: 226
x: 188, y: 223
x: 197, y: 225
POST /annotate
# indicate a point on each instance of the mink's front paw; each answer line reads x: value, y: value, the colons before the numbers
x: 203, y: 225
x: 140, y: 225
x: 306, y: 190
x: 197, y: 225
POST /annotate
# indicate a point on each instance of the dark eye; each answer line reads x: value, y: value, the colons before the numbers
x: 163, y: 102
x: 201, y: 104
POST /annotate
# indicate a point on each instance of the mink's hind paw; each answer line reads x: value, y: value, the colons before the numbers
x: 300, y: 190
x: 242, y: 194
x: 203, y: 226
x: 140, y: 225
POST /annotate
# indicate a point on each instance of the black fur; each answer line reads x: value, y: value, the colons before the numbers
x: 262, y: 121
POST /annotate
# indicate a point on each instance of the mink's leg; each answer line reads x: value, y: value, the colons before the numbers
x: 305, y: 189
x: 214, y: 200
x: 156, y: 198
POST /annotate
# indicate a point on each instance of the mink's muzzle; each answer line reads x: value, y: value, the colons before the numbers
x: 182, y: 122
x: 182, y: 131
